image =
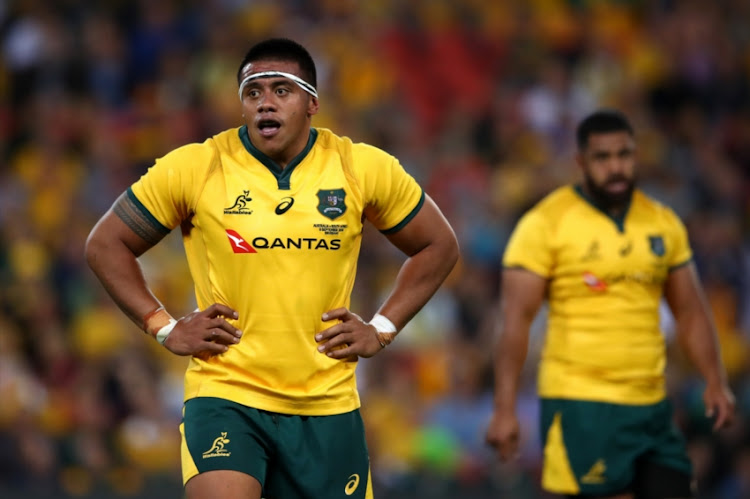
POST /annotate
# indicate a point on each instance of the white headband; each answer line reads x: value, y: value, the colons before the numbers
x: 265, y: 74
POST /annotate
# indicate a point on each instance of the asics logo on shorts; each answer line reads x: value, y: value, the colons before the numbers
x: 352, y: 484
x: 217, y: 448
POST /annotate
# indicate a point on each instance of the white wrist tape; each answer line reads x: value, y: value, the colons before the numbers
x: 161, y: 334
x: 386, y: 330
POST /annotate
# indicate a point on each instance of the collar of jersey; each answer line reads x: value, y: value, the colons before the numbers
x: 619, y: 220
x: 282, y: 174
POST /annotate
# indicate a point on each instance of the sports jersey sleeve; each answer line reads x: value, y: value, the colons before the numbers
x: 680, y: 252
x: 529, y: 245
x: 392, y: 196
x: 169, y: 189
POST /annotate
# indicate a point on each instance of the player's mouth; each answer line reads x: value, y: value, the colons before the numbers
x: 268, y: 128
x: 618, y: 186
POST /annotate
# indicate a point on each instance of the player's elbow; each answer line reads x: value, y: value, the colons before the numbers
x: 447, y: 251
x: 452, y: 251
x: 93, y: 248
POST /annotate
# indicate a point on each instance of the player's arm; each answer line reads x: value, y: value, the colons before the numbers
x: 432, y: 250
x: 522, y: 293
x: 697, y: 336
x: 430, y: 243
x: 112, y: 250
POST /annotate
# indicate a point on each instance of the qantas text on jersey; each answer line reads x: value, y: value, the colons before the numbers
x: 240, y: 245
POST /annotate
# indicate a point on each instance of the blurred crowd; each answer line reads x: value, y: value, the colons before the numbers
x: 478, y: 99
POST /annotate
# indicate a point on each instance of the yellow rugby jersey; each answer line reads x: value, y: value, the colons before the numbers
x: 280, y: 247
x: 606, y: 279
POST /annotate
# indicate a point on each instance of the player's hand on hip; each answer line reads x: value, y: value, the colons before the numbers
x: 204, y: 332
x: 720, y: 404
x: 350, y: 337
x: 503, y: 433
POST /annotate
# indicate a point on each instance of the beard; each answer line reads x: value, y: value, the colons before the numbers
x: 607, y: 199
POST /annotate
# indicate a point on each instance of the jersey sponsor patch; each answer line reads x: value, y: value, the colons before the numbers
x: 593, y: 282
x: 238, y: 243
x: 241, y: 245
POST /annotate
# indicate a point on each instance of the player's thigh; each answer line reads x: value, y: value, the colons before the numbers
x: 320, y: 456
x: 626, y: 495
x: 223, y: 484
x: 656, y: 481
x: 220, y: 435
x: 590, y: 448
x: 665, y: 471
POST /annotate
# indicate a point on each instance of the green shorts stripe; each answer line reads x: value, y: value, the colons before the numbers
x: 594, y: 448
x: 293, y: 457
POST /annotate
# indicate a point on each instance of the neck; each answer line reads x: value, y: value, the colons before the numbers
x: 613, y: 208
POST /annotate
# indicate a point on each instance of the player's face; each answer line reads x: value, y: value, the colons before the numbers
x: 277, y: 111
x: 608, y: 164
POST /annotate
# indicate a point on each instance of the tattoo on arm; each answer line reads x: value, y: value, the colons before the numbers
x: 139, y: 222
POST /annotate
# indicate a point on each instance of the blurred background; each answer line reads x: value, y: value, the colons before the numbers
x: 477, y: 98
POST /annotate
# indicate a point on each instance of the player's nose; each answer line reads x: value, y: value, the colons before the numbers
x: 616, y: 167
x: 266, y: 102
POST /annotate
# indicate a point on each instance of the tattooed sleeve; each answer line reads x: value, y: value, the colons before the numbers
x: 137, y: 217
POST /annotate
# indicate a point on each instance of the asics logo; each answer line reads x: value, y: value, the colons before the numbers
x: 352, y: 484
x: 284, y: 205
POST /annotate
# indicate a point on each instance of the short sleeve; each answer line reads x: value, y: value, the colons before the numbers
x: 169, y: 189
x: 392, y: 196
x: 679, y: 249
x: 529, y: 246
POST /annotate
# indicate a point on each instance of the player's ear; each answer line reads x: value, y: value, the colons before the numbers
x: 580, y: 159
x: 313, y: 105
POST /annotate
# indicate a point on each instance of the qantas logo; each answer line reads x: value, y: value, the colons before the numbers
x: 593, y: 282
x: 239, y: 245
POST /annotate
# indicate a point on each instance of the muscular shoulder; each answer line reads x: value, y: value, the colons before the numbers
x: 654, y: 210
x: 359, y: 154
x: 556, y: 205
x: 198, y: 160
x: 191, y: 156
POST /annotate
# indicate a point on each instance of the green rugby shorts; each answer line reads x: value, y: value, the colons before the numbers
x: 292, y: 456
x: 596, y: 448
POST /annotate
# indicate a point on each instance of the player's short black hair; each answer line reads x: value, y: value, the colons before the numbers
x: 602, y: 121
x: 281, y: 49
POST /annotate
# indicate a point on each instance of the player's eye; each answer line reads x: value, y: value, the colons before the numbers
x: 601, y: 156
x: 282, y: 91
x: 253, y: 93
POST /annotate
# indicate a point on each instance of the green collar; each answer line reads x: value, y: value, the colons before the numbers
x: 618, y: 220
x: 282, y: 174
